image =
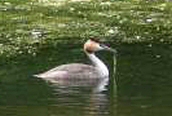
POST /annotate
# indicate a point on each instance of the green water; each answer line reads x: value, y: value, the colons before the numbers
x: 143, y: 78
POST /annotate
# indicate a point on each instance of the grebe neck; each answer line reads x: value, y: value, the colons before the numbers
x: 103, y: 70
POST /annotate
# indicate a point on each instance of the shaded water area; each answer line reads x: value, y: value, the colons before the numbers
x: 143, y: 79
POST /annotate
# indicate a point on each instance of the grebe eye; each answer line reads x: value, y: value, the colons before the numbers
x: 102, y: 45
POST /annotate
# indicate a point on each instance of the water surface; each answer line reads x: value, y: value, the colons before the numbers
x: 143, y: 81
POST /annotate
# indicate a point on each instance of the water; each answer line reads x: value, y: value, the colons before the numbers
x: 143, y: 78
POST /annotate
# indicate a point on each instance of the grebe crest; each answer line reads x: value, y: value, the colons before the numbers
x: 92, y: 46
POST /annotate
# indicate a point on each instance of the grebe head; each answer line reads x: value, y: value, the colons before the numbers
x: 92, y: 46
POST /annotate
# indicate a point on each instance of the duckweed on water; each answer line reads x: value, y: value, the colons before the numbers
x: 27, y: 26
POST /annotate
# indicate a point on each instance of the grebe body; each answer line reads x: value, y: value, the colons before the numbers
x: 81, y: 74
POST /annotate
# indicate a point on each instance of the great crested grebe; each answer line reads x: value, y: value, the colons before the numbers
x: 96, y: 74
